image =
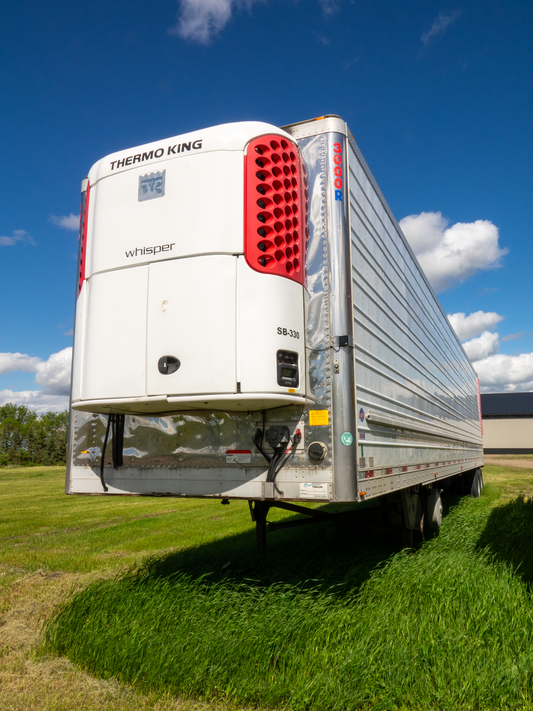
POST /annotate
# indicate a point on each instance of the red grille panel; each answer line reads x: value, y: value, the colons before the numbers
x: 276, y: 201
x: 84, y: 213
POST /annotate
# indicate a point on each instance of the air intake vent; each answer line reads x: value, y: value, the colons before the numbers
x: 275, y: 213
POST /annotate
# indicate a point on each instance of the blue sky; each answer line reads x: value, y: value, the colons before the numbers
x: 438, y: 96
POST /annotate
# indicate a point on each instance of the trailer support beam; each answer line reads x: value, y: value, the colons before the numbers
x: 259, y: 511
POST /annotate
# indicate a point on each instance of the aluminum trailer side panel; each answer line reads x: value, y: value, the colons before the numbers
x: 417, y: 399
x: 403, y: 372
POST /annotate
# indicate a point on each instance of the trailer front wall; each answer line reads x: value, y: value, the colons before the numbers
x: 395, y: 406
x: 186, y: 454
x: 417, y: 400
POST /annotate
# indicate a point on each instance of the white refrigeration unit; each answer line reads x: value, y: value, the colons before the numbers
x: 252, y: 323
x: 193, y: 259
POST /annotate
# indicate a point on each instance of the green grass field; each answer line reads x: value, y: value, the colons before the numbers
x: 174, y: 603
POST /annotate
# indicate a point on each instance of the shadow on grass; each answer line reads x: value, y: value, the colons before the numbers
x: 336, y: 556
x: 508, y: 535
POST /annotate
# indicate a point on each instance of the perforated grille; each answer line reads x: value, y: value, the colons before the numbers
x: 276, y: 202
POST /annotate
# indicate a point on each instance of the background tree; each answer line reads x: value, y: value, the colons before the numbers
x: 29, y: 438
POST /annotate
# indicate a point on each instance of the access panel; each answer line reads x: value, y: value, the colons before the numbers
x: 191, y: 318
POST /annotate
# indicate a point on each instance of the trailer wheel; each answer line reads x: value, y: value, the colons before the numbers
x: 477, y: 484
x: 434, y: 509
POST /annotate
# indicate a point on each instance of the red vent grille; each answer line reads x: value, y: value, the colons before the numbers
x: 84, y: 214
x: 275, y: 208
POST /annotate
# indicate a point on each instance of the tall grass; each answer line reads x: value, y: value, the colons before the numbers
x: 447, y: 627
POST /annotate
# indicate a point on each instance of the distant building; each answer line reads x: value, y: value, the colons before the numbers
x: 507, y: 423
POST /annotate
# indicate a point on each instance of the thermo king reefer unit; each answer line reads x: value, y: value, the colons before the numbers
x: 252, y: 323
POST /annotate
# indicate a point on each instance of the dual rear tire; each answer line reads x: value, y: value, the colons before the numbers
x: 473, y: 483
x: 416, y: 504
x: 434, y: 509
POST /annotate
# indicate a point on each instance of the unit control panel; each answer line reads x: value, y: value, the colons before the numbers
x: 288, y: 369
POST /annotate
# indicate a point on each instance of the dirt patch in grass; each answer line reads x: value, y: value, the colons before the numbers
x: 510, y: 460
x: 30, y: 681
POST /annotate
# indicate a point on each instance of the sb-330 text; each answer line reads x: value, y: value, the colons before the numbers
x: 288, y: 332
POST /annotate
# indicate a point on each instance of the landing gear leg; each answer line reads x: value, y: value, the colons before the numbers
x: 259, y: 511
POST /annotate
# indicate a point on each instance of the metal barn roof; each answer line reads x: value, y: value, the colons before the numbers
x: 507, y: 405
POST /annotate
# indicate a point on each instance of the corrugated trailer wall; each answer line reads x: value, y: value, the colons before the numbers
x: 417, y: 400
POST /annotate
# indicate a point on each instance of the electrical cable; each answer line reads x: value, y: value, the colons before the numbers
x: 115, y: 423
x: 328, y: 348
x: 277, y: 461
x: 258, y: 440
x: 280, y: 458
x: 296, y: 439
x: 104, y: 486
x: 272, y: 473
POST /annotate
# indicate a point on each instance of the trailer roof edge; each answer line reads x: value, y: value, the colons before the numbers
x: 330, y: 123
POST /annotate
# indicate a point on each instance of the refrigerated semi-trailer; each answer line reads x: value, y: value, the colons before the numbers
x: 251, y: 323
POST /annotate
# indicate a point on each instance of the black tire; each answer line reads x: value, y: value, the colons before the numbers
x: 434, y: 509
x: 477, y: 484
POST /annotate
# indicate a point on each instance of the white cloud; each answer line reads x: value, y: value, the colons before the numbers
x: 54, y: 373
x: 70, y: 332
x: 202, y: 20
x: 10, y: 362
x: 35, y: 399
x: 497, y: 372
x: 449, y: 255
x: 506, y: 373
x: 439, y: 26
x: 474, y: 324
x: 329, y: 6
x: 67, y: 222
x: 17, y: 236
x: 482, y: 347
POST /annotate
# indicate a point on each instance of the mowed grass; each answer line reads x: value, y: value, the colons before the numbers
x: 328, y: 617
x: 50, y: 544
x: 41, y: 527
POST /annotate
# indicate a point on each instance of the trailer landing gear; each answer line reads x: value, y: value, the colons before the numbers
x: 418, y: 508
x: 359, y: 518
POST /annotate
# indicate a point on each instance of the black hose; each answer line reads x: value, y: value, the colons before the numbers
x: 271, y: 474
x: 296, y: 439
x: 104, y: 486
x: 280, y: 458
x: 259, y: 437
x: 115, y: 423
x: 277, y: 461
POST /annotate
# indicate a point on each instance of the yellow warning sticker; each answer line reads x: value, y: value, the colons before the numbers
x: 318, y: 417
x: 292, y: 390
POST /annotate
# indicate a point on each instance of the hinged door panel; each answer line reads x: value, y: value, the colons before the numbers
x: 191, y: 318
